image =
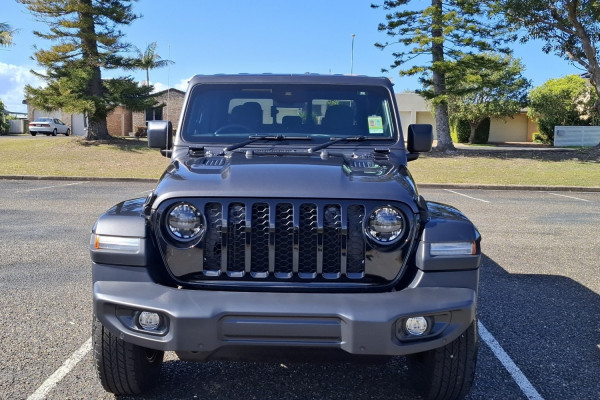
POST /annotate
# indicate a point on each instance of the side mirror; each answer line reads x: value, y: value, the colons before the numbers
x: 420, y: 138
x: 160, y: 135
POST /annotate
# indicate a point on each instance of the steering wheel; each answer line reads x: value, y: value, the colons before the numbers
x: 232, y: 126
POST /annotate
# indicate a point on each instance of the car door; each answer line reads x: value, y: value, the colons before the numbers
x: 61, y: 127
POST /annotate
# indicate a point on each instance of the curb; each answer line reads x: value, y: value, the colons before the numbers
x: 74, y: 178
x: 540, y: 188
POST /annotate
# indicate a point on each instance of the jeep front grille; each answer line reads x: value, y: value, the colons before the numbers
x: 282, y: 242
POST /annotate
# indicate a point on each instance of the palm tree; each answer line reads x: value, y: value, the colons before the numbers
x: 6, y: 34
x: 150, y: 60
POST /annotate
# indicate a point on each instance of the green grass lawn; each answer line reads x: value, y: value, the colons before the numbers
x: 131, y: 158
x: 565, y: 169
x: 69, y: 156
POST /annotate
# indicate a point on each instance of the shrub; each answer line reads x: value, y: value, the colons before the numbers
x: 482, y: 133
x: 460, y: 131
x: 141, y: 131
x: 566, y: 101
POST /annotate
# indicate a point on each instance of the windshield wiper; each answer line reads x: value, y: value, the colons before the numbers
x: 334, y: 140
x: 252, y: 139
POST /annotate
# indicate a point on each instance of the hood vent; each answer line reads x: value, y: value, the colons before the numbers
x: 363, y: 164
x: 214, y: 162
x: 208, y: 163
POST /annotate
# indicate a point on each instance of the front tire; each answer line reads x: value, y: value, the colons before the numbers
x: 124, y: 368
x: 68, y: 132
x: 33, y: 133
x: 447, y: 373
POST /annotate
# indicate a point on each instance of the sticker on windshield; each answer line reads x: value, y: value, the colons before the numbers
x: 375, y: 125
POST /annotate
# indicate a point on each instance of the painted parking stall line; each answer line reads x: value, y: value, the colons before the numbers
x: 512, y: 368
x: 60, y: 373
x: 472, y: 198
x: 569, y: 197
x: 49, y: 187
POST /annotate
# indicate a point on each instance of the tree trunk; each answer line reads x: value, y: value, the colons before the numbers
x: 439, y: 80
x: 98, y: 130
x: 588, y: 47
x: 444, y: 141
x: 473, y: 125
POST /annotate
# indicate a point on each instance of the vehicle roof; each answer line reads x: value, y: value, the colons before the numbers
x: 292, y: 79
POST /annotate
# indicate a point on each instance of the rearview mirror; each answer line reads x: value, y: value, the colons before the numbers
x: 160, y: 135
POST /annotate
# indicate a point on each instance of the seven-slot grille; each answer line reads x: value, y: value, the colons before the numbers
x: 279, y: 240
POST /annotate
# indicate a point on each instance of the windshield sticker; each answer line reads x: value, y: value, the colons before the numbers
x: 375, y: 125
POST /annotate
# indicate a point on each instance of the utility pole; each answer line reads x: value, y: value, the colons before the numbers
x: 352, y: 56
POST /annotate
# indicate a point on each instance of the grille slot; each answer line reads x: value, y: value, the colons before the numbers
x: 282, y: 240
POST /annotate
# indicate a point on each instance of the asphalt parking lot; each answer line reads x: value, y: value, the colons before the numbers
x: 539, y: 304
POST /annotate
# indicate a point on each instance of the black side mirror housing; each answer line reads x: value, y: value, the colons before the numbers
x: 160, y: 135
x: 420, y: 138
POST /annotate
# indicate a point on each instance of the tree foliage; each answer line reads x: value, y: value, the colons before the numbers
x: 441, y: 35
x: 566, y: 101
x: 569, y: 28
x: 6, y: 34
x: 149, y: 59
x: 3, y: 122
x: 486, y: 86
x: 85, y: 40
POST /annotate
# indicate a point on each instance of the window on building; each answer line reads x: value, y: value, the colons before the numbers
x: 154, y: 114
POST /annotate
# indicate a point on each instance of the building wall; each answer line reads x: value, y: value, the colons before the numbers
x: 119, y: 122
x: 173, y: 104
x: 426, y: 117
x: 414, y: 109
x: 509, y: 130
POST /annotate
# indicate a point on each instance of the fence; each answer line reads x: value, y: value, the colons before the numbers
x: 576, y: 136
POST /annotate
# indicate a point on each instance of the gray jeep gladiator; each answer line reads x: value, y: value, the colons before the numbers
x: 287, y: 226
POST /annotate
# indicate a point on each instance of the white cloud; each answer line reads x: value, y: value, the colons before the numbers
x: 13, y: 79
x: 181, y: 85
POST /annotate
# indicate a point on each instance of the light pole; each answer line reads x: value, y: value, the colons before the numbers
x: 352, y: 55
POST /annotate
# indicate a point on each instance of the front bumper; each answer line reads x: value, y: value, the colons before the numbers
x: 203, y: 322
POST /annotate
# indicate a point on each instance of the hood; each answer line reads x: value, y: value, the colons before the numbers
x: 287, y: 176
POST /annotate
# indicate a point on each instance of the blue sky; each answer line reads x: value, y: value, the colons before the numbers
x: 254, y: 36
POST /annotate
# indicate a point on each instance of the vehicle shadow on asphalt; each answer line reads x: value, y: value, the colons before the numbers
x: 548, y: 324
x: 249, y: 380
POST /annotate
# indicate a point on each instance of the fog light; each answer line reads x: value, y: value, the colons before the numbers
x: 149, y: 321
x: 416, y: 326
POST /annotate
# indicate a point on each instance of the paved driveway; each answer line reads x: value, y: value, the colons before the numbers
x: 539, y: 303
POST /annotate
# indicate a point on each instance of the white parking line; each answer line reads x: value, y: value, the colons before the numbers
x: 521, y: 380
x: 49, y: 187
x: 460, y: 194
x: 60, y: 373
x: 514, y: 371
x: 569, y: 197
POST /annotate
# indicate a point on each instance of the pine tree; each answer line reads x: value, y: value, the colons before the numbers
x: 444, y: 33
x: 85, y: 41
x: 6, y: 34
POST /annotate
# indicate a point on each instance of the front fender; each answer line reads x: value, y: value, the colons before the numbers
x: 120, y: 237
x: 445, y: 224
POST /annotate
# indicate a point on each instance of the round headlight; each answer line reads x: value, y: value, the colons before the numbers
x: 185, y: 222
x: 385, y: 225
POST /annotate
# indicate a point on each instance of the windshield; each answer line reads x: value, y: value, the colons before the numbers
x: 229, y: 113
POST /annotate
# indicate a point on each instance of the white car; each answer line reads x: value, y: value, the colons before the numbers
x: 49, y: 126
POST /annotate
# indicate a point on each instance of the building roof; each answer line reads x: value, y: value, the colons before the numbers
x: 167, y: 90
